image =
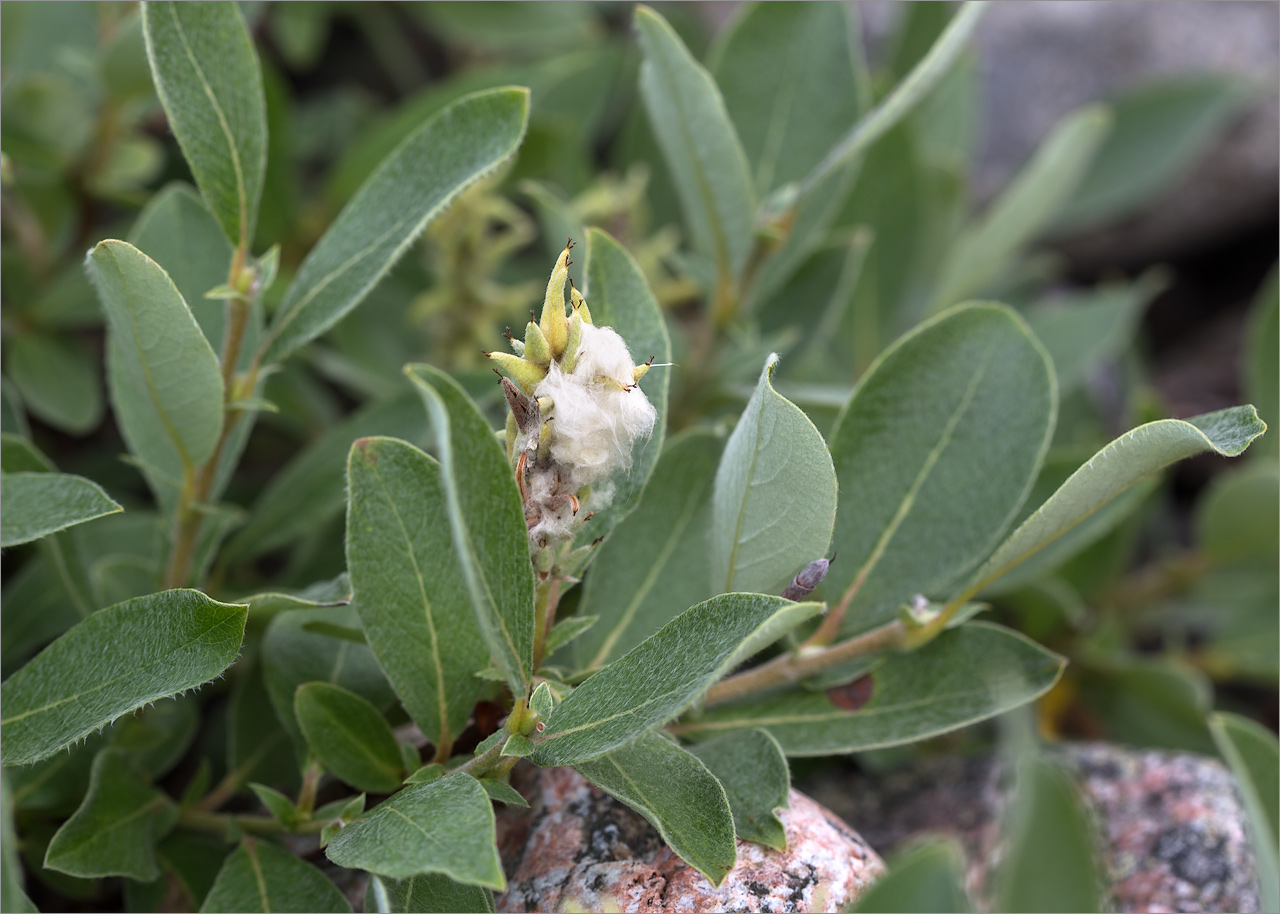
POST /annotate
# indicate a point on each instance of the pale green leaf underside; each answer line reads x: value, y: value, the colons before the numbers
x: 450, y: 151
x: 208, y: 78
x: 444, y: 827
x: 409, y: 587
x: 116, y: 661
x: 677, y: 794
x: 37, y: 504
x: 1131, y: 457
x: 963, y: 676
x: 660, y: 677
x: 774, y: 501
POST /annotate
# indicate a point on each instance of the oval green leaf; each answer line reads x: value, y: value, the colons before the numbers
x: 428, y: 893
x: 677, y: 794
x: 914, y: 450
x: 114, y: 662
x: 1253, y: 754
x: 349, y: 737
x: 444, y: 827
x: 655, y: 562
x: 409, y: 586
x: 753, y: 771
x: 1123, y: 462
x: 700, y: 146
x: 166, y: 385
x: 965, y: 675
x: 927, y: 877
x: 489, y: 533
x: 208, y: 78
x: 260, y: 876
x: 37, y: 504
x: 664, y: 674
x: 451, y: 151
x: 774, y: 501
x: 58, y: 379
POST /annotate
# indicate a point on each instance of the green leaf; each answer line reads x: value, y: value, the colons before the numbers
x: 282, y: 808
x: 349, y: 736
x: 913, y: 450
x: 677, y: 794
x: 487, y: 520
x: 1050, y: 862
x: 619, y: 297
x: 660, y: 677
x: 1160, y: 130
x: 156, y: 738
x: 58, y: 379
x: 428, y: 892
x: 963, y: 676
x: 774, y: 500
x: 114, y: 831
x: 178, y: 232
x: 503, y: 792
x: 566, y: 631
x: 928, y: 877
x: 292, y: 655
x: 1024, y: 208
x: 208, y: 78
x: 1230, y: 528
x: 309, y: 490
x: 655, y: 563
x: 260, y: 876
x: 450, y: 152
x: 37, y: 504
x: 753, y: 771
x: 166, y: 386
x: 12, y: 896
x: 409, y: 586
x: 1262, y: 359
x: 1153, y: 703
x: 116, y: 661
x: 443, y: 827
x: 256, y: 742
x: 1254, y: 756
x: 1125, y: 461
x: 194, y: 860
x: 700, y: 146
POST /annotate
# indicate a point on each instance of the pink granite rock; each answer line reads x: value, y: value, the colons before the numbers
x: 578, y: 849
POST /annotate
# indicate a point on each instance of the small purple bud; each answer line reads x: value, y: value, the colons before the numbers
x: 809, y: 577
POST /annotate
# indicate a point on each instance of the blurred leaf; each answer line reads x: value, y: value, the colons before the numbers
x: 410, y: 588
x: 166, y: 385
x: 774, y: 501
x: 1025, y: 207
x: 620, y: 297
x: 913, y: 450
x: 1050, y: 858
x: 293, y: 655
x: 58, y: 380
x: 114, y: 831
x: 1254, y: 756
x: 46, y: 37
x: 308, y: 491
x: 116, y: 661
x: 1262, y: 363
x: 36, y: 610
x: 13, y: 419
x: 156, y: 738
x: 1159, y: 132
x: 558, y: 221
x: 208, y: 78
x: 701, y: 148
x: 753, y: 771
x: 256, y: 742
x: 927, y: 877
x: 1084, y: 330
x: 179, y: 233
x: 443, y: 827
x: 56, y: 786
x: 664, y: 674
x: 260, y: 876
x: 677, y: 794
x: 655, y: 563
x: 349, y: 736
x: 965, y: 675
x: 194, y: 861
x: 428, y: 892
x: 487, y: 521
x: 37, y: 504
x: 532, y: 30
x: 1232, y: 523
x: 448, y: 153
x: 1159, y: 704
x: 12, y: 897
x: 1111, y: 471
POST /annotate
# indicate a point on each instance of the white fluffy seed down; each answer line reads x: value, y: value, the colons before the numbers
x: 599, y: 412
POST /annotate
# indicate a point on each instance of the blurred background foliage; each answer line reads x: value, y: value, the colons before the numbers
x: 1166, y: 604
